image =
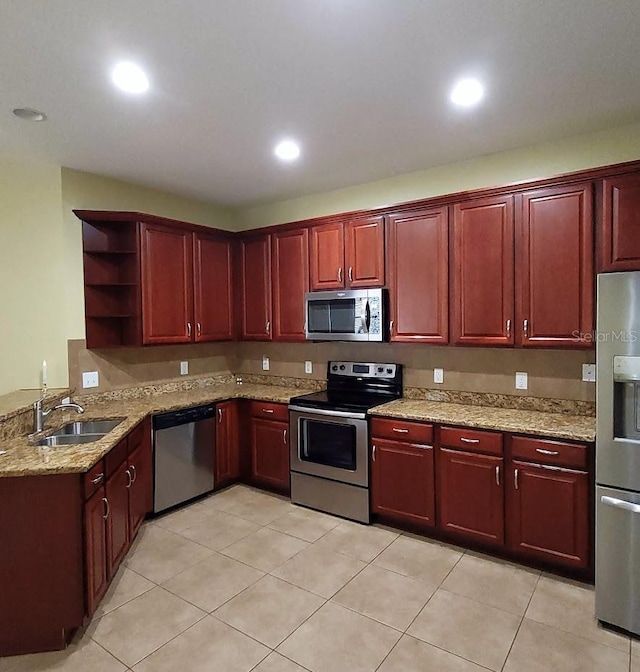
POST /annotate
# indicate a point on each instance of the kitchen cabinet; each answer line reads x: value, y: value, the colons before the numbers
x: 118, y: 538
x: 482, y: 271
x: 402, y: 472
x: 418, y: 267
x: 95, y: 549
x: 554, y: 267
x: 140, y: 464
x: 227, y: 460
x: 347, y: 255
x: 255, y: 292
x: 290, y: 254
x: 270, y: 445
x: 619, y: 242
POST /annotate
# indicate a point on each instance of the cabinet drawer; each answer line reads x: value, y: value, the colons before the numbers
x: 270, y: 411
x: 474, y: 440
x: 93, y: 479
x: 116, y: 456
x: 400, y: 430
x: 549, y: 452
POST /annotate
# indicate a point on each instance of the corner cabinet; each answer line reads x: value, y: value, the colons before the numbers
x: 255, y: 290
x: 620, y: 219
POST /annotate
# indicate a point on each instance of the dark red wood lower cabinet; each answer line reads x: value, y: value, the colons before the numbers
x: 270, y: 453
x: 471, y: 496
x: 95, y: 549
x: 402, y: 481
x: 117, y: 494
x: 227, y: 460
x: 141, y: 490
x: 548, y: 514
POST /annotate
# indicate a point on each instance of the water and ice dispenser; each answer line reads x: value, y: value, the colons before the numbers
x: 626, y: 398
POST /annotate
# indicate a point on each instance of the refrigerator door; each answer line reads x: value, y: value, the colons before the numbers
x: 617, y: 550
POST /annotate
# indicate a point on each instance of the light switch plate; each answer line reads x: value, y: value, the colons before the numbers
x: 308, y: 366
x: 589, y: 373
x: 265, y: 363
x: 184, y: 368
x: 522, y: 380
x: 90, y: 379
x: 438, y: 375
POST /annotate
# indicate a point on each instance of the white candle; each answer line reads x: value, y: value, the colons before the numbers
x: 44, y: 372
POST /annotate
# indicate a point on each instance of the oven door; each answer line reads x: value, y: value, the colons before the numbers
x: 330, y: 444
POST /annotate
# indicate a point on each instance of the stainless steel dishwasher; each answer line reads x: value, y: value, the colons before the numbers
x: 183, y: 454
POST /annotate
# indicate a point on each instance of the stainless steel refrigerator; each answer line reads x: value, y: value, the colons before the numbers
x: 618, y: 451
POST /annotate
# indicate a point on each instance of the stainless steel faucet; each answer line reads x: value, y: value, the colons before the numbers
x: 39, y: 414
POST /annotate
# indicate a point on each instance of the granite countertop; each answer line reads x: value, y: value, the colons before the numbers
x: 553, y: 425
x: 24, y: 459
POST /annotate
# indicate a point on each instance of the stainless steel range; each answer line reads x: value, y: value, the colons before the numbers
x: 330, y: 437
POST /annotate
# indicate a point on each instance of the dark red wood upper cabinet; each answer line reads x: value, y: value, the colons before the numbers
x: 167, y: 285
x: 213, y: 288
x: 364, y: 252
x: 418, y: 267
x: 402, y: 481
x: 554, y: 267
x: 482, y: 272
x: 471, y: 496
x: 270, y: 453
x: 326, y: 256
x: 255, y: 295
x: 548, y: 514
x: 619, y: 242
x: 227, y: 461
x: 117, y: 495
x: 290, y: 253
x: 95, y: 549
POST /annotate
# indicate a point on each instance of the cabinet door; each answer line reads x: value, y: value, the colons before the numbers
x: 290, y: 283
x: 482, y: 272
x: 213, y: 288
x: 117, y: 495
x: 548, y: 514
x: 141, y: 490
x: 167, y: 285
x: 364, y: 252
x: 620, y: 244
x: 255, y: 256
x: 418, y: 254
x: 270, y: 453
x: 327, y: 256
x: 95, y: 549
x: 471, y: 496
x: 554, y: 272
x: 227, y: 462
x: 402, y: 481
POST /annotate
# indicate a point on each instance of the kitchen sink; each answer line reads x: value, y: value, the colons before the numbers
x: 68, y: 439
x: 87, y: 427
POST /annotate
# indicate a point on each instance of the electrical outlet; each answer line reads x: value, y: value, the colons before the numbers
x: 522, y: 380
x: 589, y: 373
x: 90, y: 379
x: 265, y: 363
x: 308, y: 366
x: 184, y: 368
x: 438, y: 375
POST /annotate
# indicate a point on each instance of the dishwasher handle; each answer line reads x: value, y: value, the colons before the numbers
x: 183, y: 416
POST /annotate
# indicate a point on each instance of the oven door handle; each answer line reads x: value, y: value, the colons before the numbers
x: 332, y: 414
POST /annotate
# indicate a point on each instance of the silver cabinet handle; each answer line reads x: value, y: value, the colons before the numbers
x: 391, y: 326
x: 97, y: 479
x: 400, y: 431
x: 508, y: 328
x: 284, y: 437
x: 373, y: 453
x: 267, y: 410
x: 515, y: 479
x: 465, y: 440
x: 106, y: 508
x: 189, y: 329
x: 350, y: 273
x: 219, y: 415
x: 130, y: 479
x: 620, y: 504
x: 134, y: 473
x: 199, y: 328
x: 340, y: 274
x: 498, y: 475
x: 526, y: 328
x: 542, y: 451
x: 425, y: 447
x: 267, y: 326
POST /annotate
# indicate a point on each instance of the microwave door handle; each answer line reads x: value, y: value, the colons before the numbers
x: 367, y: 312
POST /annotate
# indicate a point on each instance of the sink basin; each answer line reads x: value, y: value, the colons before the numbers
x: 87, y: 427
x: 68, y: 439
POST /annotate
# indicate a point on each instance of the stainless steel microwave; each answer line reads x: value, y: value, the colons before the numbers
x: 345, y: 315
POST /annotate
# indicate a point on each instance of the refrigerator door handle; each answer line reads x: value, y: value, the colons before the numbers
x: 620, y: 504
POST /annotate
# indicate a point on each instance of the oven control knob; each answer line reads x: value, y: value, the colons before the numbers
x: 341, y: 367
x: 389, y: 370
x: 380, y: 369
x: 334, y: 368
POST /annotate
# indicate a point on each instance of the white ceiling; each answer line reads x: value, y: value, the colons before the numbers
x: 363, y: 85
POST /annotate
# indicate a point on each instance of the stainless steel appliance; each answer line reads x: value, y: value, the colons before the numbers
x: 618, y: 451
x: 183, y: 453
x: 330, y: 437
x: 346, y: 315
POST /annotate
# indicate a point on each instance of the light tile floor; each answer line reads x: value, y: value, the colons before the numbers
x: 244, y: 580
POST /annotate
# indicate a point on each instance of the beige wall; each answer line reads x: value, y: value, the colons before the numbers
x: 614, y: 145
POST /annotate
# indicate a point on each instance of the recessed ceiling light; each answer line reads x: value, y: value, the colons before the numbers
x: 287, y: 150
x: 28, y: 114
x: 130, y: 77
x: 467, y: 92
